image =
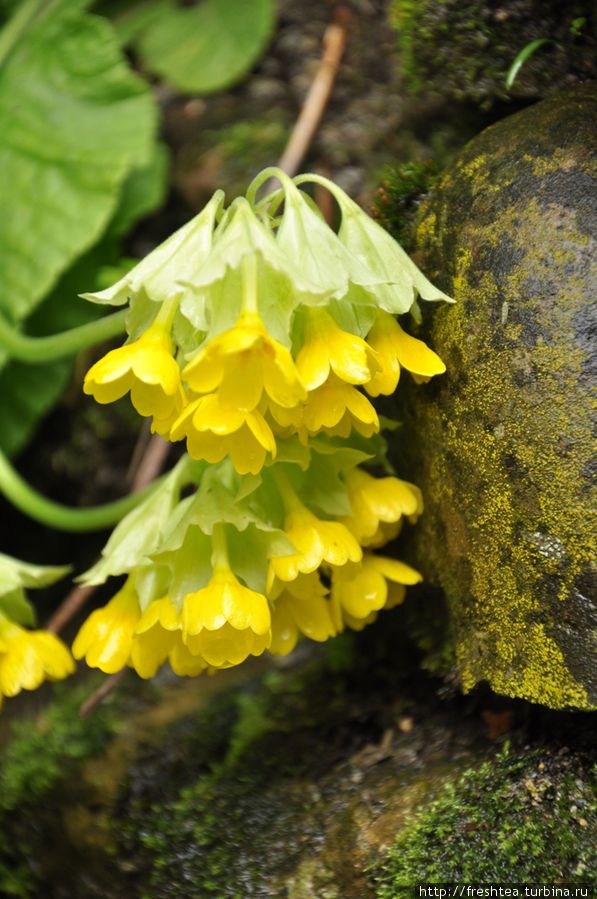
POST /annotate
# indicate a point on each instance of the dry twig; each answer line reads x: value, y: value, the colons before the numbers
x: 334, y: 41
x: 108, y: 686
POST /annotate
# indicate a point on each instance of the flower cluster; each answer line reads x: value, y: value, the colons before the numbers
x: 259, y: 338
x: 27, y: 657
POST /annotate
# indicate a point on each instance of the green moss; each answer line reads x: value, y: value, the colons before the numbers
x: 397, y: 200
x: 240, y: 813
x: 517, y: 818
x: 463, y: 49
x: 40, y: 755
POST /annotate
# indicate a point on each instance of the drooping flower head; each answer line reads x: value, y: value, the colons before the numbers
x: 27, y: 658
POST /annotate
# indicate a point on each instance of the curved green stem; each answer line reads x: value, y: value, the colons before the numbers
x: 66, y: 343
x: 65, y: 518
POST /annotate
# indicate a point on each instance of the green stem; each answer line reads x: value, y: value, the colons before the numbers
x: 219, y: 548
x: 64, y: 518
x: 66, y: 343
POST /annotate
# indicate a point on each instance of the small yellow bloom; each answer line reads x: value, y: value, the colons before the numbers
x: 316, y: 541
x: 227, y: 646
x: 106, y: 638
x: 214, y: 432
x: 223, y: 600
x: 327, y: 347
x: 385, y: 533
x: 156, y: 634
x: 226, y: 622
x: 395, y: 350
x: 242, y: 364
x: 337, y: 407
x: 300, y: 607
x: 146, y: 367
x: 27, y: 658
x: 183, y: 662
x: 378, y: 500
x: 360, y: 590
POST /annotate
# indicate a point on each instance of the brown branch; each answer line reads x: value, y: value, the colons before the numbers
x: 109, y: 685
x: 69, y: 607
x: 318, y: 95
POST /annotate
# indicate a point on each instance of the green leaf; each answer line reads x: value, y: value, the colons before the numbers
x: 207, y: 47
x: 30, y: 391
x: 74, y: 121
x: 17, y: 607
x: 139, y: 532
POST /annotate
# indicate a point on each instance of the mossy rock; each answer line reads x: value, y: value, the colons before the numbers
x: 503, y: 450
x: 523, y: 816
x: 463, y: 49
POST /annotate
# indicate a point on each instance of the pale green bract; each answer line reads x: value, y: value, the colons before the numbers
x: 301, y: 262
x: 17, y: 576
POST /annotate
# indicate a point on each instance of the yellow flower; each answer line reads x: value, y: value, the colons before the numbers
x: 106, y: 638
x: 227, y: 646
x: 327, y: 347
x: 162, y: 425
x: 27, y: 658
x: 183, y: 662
x: 337, y: 407
x: 214, y: 432
x: 316, y: 541
x: 156, y: 635
x: 385, y: 533
x: 395, y: 350
x: 146, y: 367
x: 225, y: 622
x: 300, y: 606
x: 361, y: 590
x: 374, y: 501
x: 243, y: 363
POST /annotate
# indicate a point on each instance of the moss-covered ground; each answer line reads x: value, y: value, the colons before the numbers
x: 527, y: 816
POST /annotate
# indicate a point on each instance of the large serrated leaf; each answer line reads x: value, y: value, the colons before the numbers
x: 74, y: 120
x: 207, y: 47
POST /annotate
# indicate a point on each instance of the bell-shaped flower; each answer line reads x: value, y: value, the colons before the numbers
x: 314, y: 539
x: 378, y: 500
x: 146, y: 368
x: 362, y: 589
x: 27, y: 658
x: 157, y: 632
x: 225, y: 622
x: 244, y: 363
x: 214, y: 431
x: 396, y: 349
x: 183, y: 662
x: 326, y: 347
x: 336, y: 408
x: 299, y: 607
x: 105, y: 639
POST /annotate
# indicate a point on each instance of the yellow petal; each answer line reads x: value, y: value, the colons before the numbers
x: 284, y: 630
x: 416, y: 356
x: 245, y: 608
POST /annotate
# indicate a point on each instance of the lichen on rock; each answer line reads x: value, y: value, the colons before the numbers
x: 509, y: 531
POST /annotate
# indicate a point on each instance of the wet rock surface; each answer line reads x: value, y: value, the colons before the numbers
x: 504, y: 440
